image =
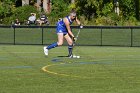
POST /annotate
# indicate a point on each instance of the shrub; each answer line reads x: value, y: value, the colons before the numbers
x: 22, y: 13
x: 131, y: 21
x: 59, y: 10
x: 6, y: 8
x: 104, y: 21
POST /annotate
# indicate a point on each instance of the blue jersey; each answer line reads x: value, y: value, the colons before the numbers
x: 61, y: 27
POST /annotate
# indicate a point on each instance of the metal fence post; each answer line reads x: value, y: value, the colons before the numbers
x: 42, y: 35
x: 131, y: 37
x: 101, y: 36
x: 14, y: 35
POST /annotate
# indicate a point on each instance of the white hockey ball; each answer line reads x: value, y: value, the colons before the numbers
x: 78, y: 56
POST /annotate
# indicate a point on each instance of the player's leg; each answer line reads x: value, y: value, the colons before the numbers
x: 55, y: 44
x: 70, y: 44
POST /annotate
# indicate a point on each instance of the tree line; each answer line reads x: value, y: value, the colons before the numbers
x: 90, y: 12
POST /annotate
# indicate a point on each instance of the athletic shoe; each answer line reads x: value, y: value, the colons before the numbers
x: 45, y: 50
x: 73, y: 56
x: 70, y: 56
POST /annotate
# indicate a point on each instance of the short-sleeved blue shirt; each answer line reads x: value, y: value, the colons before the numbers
x: 61, y: 27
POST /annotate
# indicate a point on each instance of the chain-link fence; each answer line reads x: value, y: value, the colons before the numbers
x: 89, y: 35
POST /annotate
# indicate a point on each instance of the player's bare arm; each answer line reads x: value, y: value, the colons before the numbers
x: 77, y: 21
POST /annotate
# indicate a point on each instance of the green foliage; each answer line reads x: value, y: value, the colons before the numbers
x: 137, y: 9
x: 6, y: 8
x: 93, y: 12
x: 107, y: 9
x: 89, y: 8
x: 22, y: 13
x: 131, y: 21
x: 60, y: 8
x: 103, y: 12
x: 127, y: 8
x: 104, y: 21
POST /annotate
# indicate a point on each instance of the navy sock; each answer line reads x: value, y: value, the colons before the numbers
x: 53, y: 45
x: 70, y: 48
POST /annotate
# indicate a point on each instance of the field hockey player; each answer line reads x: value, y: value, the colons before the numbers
x: 64, y: 31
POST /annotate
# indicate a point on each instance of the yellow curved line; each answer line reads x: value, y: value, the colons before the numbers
x: 45, y: 69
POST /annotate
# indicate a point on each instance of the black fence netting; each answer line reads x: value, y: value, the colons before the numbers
x: 89, y: 35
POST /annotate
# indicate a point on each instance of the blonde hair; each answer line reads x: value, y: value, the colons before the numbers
x: 73, y: 12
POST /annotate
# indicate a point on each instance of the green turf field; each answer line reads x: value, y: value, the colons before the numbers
x: 99, y: 70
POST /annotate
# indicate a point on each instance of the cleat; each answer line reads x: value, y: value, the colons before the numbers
x: 72, y: 56
x: 45, y: 51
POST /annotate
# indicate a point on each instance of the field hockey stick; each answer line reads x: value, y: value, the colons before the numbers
x: 77, y: 35
x: 76, y: 38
